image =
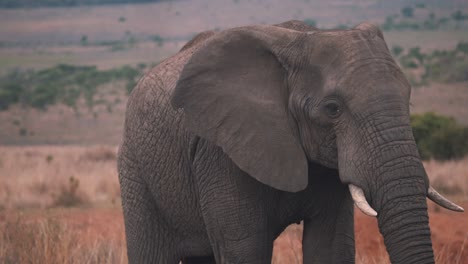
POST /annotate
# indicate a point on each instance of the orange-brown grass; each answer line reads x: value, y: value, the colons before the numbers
x: 44, y: 176
x: 51, y: 238
x: 449, y: 177
x: 40, y: 177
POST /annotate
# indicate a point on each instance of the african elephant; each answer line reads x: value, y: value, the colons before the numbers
x: 248, y: 130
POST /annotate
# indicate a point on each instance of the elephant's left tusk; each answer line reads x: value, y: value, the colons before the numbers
x: 442, y: 201
x: 360, y: 200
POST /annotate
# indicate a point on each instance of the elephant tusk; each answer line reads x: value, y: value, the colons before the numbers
x: 360, y: 200
x: 442, y: 201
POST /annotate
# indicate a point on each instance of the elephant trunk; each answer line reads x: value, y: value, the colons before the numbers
x: 404, y: 223
x: 386, y: 171
x: 398, y: 191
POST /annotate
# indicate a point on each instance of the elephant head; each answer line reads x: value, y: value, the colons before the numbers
x: 275, y: 99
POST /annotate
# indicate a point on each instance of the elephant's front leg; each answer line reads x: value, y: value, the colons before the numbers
x: 329, y: 234
x: 236, y: 210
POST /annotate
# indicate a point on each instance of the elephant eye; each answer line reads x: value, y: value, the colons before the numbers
x: 333, y: 109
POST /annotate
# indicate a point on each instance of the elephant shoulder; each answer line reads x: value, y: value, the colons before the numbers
x: 199, y: 38
x: 297, y: 25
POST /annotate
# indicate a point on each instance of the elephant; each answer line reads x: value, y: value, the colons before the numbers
x: 250, y: 129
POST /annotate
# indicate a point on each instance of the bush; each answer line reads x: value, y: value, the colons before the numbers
x: 407, y: 11
x: 462, y: 47
x: 397, y: 50
x: 60, y: 84
x: 9, y: 94
x: 310, y: 22
x: 408, y: 62
x: 158, y: 39
x: 416, y: 53
x: 69, y: 195
x: 447, y: 66
x: 439, y: 137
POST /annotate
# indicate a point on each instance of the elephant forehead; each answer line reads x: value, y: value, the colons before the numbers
x: 332, y: 48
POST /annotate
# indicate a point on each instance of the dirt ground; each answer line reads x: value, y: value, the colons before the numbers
x: 449, y: 233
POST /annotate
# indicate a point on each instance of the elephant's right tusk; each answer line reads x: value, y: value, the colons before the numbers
x: 360, y: 200
x: 442, y: 201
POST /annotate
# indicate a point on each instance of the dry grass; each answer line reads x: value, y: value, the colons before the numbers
x: 40, y: 177
x: 61, y: 124
x: 449, y: 177
x: 445, y: 99
x: 50, y: 241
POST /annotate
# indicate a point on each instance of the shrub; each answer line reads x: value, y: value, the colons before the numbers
x: 60, y: 84
x: 310, y: 22
x: 100, y: 154
x: 84, y: 40
x: 341, y: 26
x: 407, y: 11
x: 397, y: 50
x: 69, y: 196
x: 462, y: 47
x: 22, y: 131
x: 439, y: 137
x: 9, y: 94
x: 158, y: 39
x: 458, y: 16
x: 416, y: 53
x: 447, y: 66
x: 420, y: 5
x: 408, y: 62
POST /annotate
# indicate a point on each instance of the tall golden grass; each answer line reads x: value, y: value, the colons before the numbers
x: 48, y: 240
x: 42, y: 177
x: 39, y: 176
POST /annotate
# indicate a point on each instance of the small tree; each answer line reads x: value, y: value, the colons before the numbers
x: 439, y: 137
x: 310, y: 22
x: 84, y: 40
x: 416, y: 53
x: 458, y: 16
x: 420, y: 5
x: 407, y: 11
x: 463, y: 47
x: 397, y: 50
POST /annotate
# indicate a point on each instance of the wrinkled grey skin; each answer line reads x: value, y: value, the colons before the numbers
x: 246, y: 131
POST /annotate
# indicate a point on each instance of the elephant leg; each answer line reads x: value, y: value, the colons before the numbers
x: 329, y: 236
x: 236, y: 210
x: 147, y: 238
x: 199, y: 260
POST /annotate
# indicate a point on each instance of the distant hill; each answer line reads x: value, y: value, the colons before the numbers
x: 57, y: 3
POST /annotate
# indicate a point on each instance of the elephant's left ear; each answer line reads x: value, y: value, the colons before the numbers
x: 234, y: 93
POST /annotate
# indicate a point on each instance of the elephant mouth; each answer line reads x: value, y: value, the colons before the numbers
x: 360, y: 200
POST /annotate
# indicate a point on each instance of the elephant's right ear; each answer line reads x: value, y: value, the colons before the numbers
x: 234, y: 93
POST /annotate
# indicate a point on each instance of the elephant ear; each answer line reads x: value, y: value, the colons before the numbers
x: 370, y: 28
x: 298, y: 26
x: 234, y: 93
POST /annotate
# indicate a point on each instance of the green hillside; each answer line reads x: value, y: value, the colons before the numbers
x: 53, y: 3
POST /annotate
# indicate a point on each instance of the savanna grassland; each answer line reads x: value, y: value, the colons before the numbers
x: 65, y: 77
x: 71, y: 194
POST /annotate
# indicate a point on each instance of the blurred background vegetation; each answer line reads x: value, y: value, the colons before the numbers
x: 71, y: 3
x: 67, y: 66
